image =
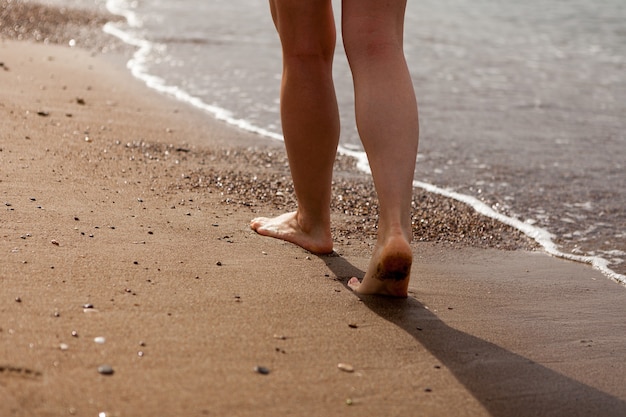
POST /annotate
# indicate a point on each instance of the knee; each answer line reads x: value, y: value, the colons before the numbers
x: 306, y: 29
x: 367, y: 42
x: 310, y: 52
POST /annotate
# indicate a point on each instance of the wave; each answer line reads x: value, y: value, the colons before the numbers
x: 138, y: 68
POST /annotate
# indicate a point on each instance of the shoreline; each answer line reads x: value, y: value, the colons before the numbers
x: 125, y: 216
x: 99, y: 35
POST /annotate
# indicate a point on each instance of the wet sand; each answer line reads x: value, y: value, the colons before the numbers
x: 125, y: 216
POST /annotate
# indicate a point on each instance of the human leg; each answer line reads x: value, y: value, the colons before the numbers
x: 387, y: 120
x: 310, y: 120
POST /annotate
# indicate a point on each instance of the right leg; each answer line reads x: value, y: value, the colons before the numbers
x: 310, y: 120
x: 387, y: 119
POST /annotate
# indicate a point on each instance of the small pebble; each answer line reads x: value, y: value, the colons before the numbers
x: 64, y: 346
x: 88, y: 305
x: 54, y: 242
x: 345, y: 367
x: 353, y: 325
x: 74, y: 333
x: 261, y: 370
x: 218, y: 263
x: 99, y: 340
x: 18, y: 300
x: 105, y: 370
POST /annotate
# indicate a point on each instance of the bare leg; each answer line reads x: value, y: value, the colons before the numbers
x: 310, y: 120
x: 387, y: 120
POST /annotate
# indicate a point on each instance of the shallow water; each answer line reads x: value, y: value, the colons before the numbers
x: 522, y: 104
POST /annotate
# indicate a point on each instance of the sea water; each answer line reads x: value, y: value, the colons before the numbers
x: 522, y: 104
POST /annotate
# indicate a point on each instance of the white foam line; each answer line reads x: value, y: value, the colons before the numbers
x: 116, y: 7
x: 138, y: 68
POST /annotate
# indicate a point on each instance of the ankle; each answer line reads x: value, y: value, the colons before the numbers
x: 394, y: 232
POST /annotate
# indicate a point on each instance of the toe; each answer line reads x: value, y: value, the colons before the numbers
x: 354, y: 283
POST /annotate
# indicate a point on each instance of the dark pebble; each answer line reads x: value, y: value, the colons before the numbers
x: 261, y: 370
x: 218, y: 263
x: 87, y: 305
x: 18, y: 300
x: 105, y: 370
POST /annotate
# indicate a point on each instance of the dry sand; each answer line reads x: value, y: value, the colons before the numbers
x: 125, y: 216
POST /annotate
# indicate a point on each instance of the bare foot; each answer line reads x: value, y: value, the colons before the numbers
x: 389, y: 270
x: 286, y: 227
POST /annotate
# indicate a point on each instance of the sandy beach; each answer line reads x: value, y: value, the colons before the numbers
x: 131, y: 284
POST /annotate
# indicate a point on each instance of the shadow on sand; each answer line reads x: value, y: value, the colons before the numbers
x: 505, y: 383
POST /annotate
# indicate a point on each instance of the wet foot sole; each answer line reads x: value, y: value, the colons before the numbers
x: 389, y: 272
